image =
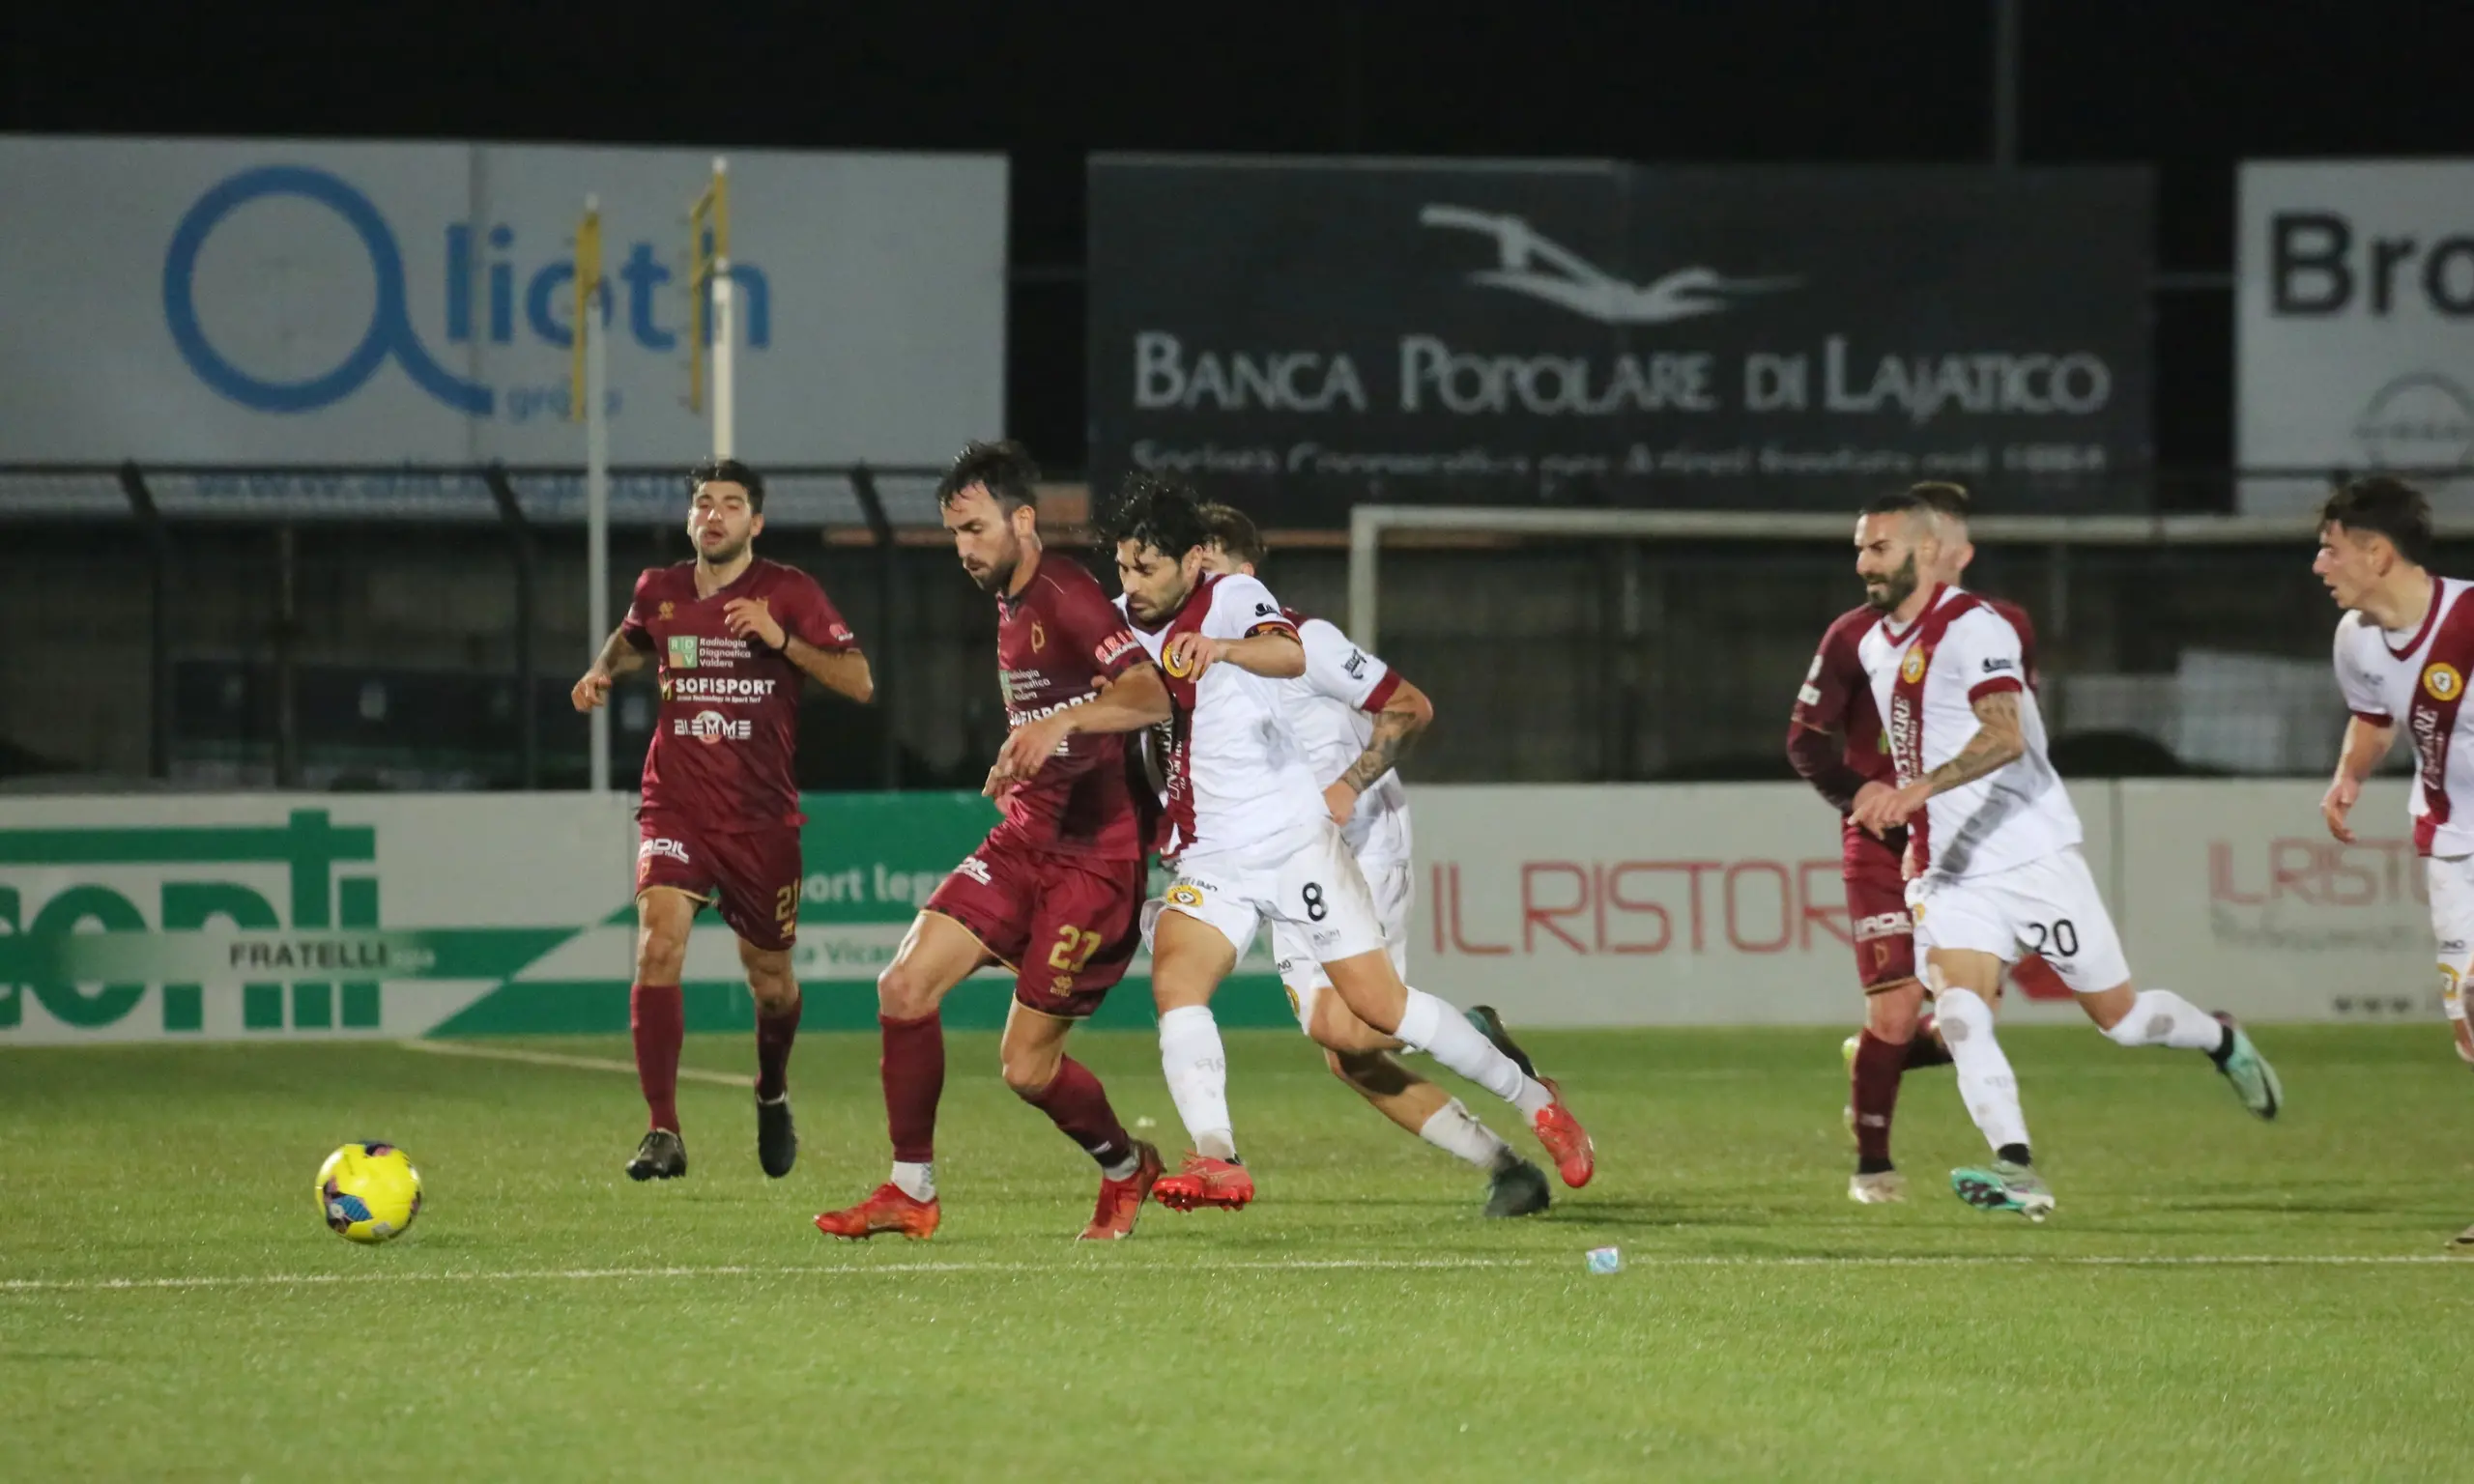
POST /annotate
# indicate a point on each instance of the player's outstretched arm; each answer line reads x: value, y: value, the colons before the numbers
x: 1135, y: 699
x: 618, y: 657
x: 1274, y: 654
x: 2365, y: 743
x: 1403, y: 719
x: 844, y: 671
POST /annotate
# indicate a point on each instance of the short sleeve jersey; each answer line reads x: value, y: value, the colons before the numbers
x: 1236, y: 776
x: 1926, y: 678
x: 1331, y: 712
x: 2416, y: 679
x: 1054, y: 640
x: 724, y: 743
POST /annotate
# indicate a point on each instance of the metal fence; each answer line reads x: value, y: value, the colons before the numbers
x: 222, y: 628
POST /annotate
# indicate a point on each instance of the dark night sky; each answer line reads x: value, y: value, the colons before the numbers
x: 2189, y: 88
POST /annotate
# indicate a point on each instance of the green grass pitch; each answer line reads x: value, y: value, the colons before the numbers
x: 2215, y: 1298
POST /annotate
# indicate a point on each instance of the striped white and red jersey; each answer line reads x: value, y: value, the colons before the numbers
x: 1236, y: 776
x: 1926, y: 678
x: 2416, y: 679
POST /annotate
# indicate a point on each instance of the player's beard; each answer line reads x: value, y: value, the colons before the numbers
x: 1893, y: 589
x: 998, y: 576
x: 724, y: 554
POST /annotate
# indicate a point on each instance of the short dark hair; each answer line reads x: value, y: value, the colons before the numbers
x: 1897, y: 502
x: 1945, y: 497
x: 1004, y: 469
x: 1235, y: 533
x: 727, y: 471
x: 2387, y: 505
x: 1161, y: 511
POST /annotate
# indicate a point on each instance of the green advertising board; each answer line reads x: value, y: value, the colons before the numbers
x: 236, y: 917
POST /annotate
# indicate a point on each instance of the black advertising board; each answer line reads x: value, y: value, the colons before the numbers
x: 1309, y: 333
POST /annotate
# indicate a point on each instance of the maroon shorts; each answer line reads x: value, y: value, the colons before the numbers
x: 751, y: 876
x: 1066, y: 925
x: 1876, y: 907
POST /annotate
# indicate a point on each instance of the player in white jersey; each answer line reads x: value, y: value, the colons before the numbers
x: 1252, y: 841
x: 1993, y: 865
x: 2404, y: 650
x: 1355, y: 716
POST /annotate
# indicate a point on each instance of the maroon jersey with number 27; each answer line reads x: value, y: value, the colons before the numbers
x: 726, y: 741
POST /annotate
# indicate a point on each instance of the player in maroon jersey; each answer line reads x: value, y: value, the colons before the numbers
x: 1056, y: 892
x: 1835, y: 741
x: 730, y: 636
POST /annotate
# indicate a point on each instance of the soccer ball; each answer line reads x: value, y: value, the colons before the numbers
x: 368, y: 1192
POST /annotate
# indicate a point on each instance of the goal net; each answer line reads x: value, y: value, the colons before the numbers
x: 1633, y: 644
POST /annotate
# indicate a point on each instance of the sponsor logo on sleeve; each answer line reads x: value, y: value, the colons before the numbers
x: 1356, y: 665
x: 1997, y: 663
x: 1808, y: 695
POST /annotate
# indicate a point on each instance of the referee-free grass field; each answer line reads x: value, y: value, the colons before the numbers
x: 2215, y: 1297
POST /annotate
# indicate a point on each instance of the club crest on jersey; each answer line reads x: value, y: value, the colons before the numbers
x: 1039, y: 636
x: 2442, y: 682
x: 1912, y: 669
x: 682, y: 651
x: 665, y: 610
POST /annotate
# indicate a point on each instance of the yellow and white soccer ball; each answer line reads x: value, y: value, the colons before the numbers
x: 368, y: 1192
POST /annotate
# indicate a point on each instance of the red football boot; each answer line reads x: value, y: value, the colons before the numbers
x: 1565, y: 1140
x: 1121, y: 1200
x: 1220, y: 1183
x: 888, y: 1207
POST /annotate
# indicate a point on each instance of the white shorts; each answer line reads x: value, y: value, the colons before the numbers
x: 2047, y: 906
x: 1315, y: 888
x: 2450, y: 883
x: 1394, y: 884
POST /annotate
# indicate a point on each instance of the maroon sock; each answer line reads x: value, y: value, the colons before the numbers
x: 1076, y: 1103
x: 913, y: 1070
x: 657, y: 1017
x: 1877, y: 1065
x: 1926, y: 1049
x: 775, y: 1030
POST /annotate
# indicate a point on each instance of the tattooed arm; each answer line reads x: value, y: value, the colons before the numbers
x: 1998, y: 741
x: 618, y: 657
x: 1405, y: 715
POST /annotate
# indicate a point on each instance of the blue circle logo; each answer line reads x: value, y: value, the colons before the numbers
x: 388, y: 337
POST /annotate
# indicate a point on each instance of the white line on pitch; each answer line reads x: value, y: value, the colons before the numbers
x: 1301, y: 1265
x: 559, y: 1059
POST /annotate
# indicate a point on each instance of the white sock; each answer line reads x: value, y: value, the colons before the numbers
x: 915, y: 1181
x: 1430, y: 1025
x: 1196, y: 1068
x: 1986, y: 1084
x: 2160, y: 1018
x: 1124, y: 1168
x: 1456, y: 1132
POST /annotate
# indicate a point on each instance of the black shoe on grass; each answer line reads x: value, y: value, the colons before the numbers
x: 663, y: 1155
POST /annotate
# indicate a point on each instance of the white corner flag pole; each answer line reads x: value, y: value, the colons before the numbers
x: 725, y: 337
x: 597, y: 502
